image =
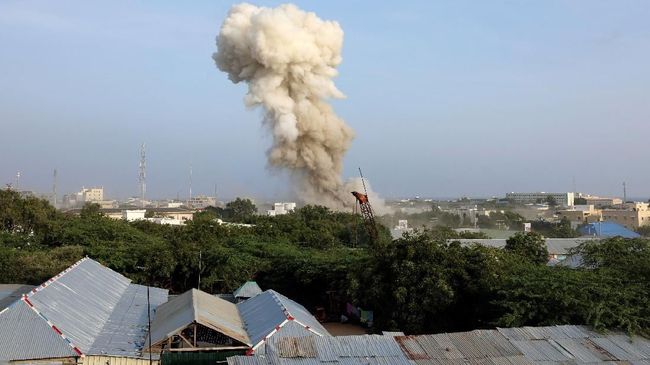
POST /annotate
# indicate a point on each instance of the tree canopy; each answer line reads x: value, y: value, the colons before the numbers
x: 419, y: 283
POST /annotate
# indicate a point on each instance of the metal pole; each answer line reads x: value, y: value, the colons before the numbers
x: 149, y: 321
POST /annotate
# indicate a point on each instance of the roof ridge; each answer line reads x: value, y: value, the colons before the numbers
x: 55, y: 278
x: 25, y: 298
x: 194, y: 300
x: 278, y: 299
x: 29, y: 304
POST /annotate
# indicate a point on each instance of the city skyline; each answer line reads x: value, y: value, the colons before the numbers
x: 446, y: 99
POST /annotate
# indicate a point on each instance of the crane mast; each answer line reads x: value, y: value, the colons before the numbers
x: 366, y: 210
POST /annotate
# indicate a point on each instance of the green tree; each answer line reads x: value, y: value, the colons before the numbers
x: 530, y: 246
x: 242, y: 210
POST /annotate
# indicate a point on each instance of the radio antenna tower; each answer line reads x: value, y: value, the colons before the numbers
x: 54, y: 178
x: 143, y: 174
x: 190, y: 184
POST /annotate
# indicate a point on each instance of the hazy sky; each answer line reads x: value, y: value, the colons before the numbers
x: 447, y: 98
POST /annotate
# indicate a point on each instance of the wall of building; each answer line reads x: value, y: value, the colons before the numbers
x: 112, y: 360
x: 564, y: 199
x: 637, y: 216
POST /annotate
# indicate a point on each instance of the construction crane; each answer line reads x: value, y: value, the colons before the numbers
x: 366, y: 210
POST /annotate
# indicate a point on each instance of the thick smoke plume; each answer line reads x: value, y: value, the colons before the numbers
x: 288, y: 59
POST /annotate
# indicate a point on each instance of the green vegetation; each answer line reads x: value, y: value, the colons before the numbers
x: 644, y: 231
x: 562, y: 229
x: 530, y: 246
x: 418, y: 284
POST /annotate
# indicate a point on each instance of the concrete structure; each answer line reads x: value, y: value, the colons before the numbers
x: 133, y: 214
x: 401, y: 228
x: 580, y: 214
x: 179, y: 214
x: 562, y: 199
x: 469, y: 215
x: 85, y: 195
x: 165, y: 220
x: 281, y: 208
x: 202, y: 202
x: 634, y: 216
x: 92, y: 195
x: 600, y: 202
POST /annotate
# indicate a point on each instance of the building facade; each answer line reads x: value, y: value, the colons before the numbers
x: 92, y: 195
x: 281, y: 208
x: 636, y: 215
x: 580, y: 214
x: 600, y: 202
x: 563, y: 199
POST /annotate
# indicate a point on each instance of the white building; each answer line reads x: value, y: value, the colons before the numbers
x: 133, y: 214
x: 563, y: 199
x: 281, y: 208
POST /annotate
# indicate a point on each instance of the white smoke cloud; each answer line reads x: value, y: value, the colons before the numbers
x: 288, y: 59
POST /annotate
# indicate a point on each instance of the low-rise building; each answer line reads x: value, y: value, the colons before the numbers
x: 85, y: 312
x: 600, y: 202
x: 133, y: 214
x: 634, y: 215
x: 580, y: 214
x: 551, y: 345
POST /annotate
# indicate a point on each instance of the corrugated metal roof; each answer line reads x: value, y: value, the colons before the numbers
x: 124, y: 332
x: 95, y: 309
x: 25, y: 335
x: 197, y: 306
x: 246, y: 360
x: 551, y: 345
x: 263, y: 313
x: 248, y: 290
x: 366, y: 349
x: 555, y: 246
x: 80, y: 302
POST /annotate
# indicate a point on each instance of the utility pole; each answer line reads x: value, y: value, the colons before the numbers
x: 54, y: 178
x: 188, y: 202
x: 143, y: 174
x: 198, y: 286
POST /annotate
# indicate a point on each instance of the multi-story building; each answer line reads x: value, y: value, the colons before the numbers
x: 634, y: 216
x: 563, y: 199
x: 92, y: 195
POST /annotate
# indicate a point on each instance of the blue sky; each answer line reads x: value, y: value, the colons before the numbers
x: 447, y: 98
